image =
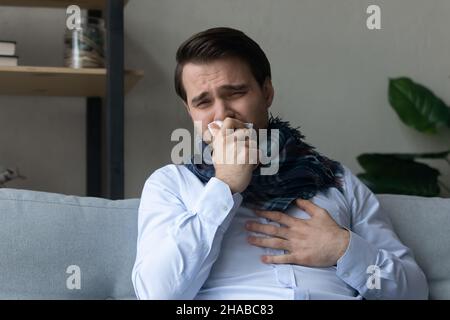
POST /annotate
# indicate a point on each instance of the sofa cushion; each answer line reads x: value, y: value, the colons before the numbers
x: 423, y: 224
x: 44, y: 234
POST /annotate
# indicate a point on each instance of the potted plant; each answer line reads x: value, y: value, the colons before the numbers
x: 401, y: 173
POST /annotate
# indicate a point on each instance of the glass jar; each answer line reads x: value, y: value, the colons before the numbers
x: 85, y: 48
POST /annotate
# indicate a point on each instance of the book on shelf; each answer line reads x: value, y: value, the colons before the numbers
x: 7, y: 48
x: 8, y: 61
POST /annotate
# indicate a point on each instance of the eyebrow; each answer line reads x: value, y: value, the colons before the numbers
x: 234, y: 87
x: 228, y: 87
x: 199, y: 97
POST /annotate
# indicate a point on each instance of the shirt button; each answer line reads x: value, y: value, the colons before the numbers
x: 225, y: 208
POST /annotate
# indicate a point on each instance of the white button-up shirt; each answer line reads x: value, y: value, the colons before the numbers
x: 192, y: 244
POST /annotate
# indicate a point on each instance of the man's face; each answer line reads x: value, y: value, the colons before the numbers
x: 225, y: 88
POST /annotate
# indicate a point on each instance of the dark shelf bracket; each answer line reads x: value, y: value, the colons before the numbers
x: 94, y: 139
x: 94, y: 146
x: 115, y: 100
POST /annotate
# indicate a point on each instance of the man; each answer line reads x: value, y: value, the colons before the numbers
x: 224, y: 231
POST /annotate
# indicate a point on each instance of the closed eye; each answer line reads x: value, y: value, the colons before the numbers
x: 202, y: 103
x: 238, y: 93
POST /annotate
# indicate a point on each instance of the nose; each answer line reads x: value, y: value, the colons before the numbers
x: 222, y: 110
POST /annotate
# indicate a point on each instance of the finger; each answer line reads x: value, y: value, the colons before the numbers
x: 208, y: 136
x: 274, y: 243
x: 276, y: 216
x: 245, y: 134
x: 231, y: 123
x: 214, y: 128
x: 253, y: 155
x: 256, y: 152
x: 245, y: 153
x: 267, y: 229
x: 278, y: 259
x: 309, y: 207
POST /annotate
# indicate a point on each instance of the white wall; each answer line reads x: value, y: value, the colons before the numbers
x: 330, y: 74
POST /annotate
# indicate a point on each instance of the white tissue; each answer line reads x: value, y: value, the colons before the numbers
x: 220, y: 123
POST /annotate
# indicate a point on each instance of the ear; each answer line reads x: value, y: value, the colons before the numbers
x: 268, y: 92
x: 187, y: 108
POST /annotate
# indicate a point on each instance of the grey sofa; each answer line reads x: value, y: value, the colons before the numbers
x: 47, y: 239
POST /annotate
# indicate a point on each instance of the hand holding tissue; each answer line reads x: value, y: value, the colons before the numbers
x: 234, y: 163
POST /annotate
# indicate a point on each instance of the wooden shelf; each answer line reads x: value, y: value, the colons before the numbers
x: 84, y: 4
x: 104, y: 130
x: 56, y: 81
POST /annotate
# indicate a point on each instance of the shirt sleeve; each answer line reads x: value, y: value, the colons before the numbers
x: 176, y: 247
x: 376, y: 263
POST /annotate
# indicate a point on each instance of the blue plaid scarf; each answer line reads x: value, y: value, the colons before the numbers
x: 302, y: 173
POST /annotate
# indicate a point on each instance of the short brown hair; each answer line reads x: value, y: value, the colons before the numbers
x: 219, y: 43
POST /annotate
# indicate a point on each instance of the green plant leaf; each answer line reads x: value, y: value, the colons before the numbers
x: 412, y: 156
x: 400, y: 185
x: 377, y: 163
x: 417, y: 106
x: 390, y: 173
